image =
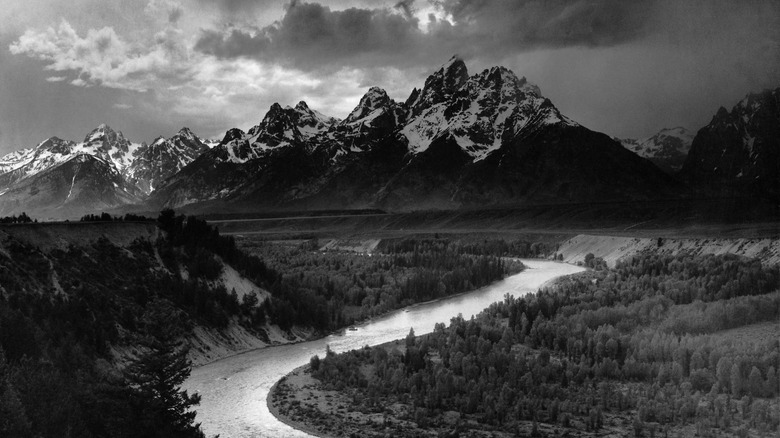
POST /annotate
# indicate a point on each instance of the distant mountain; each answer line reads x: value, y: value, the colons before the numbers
x: 154, y: 163
x: 60, y: 178
x: 739, y: 150
x: 83, y: 183
x: 667, y: 149
x: 459, y: 141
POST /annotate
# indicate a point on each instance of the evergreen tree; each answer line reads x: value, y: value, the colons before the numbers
x: 756, y: 382
x: 723, y: 372
x: 771, y: 382
x: 736, y: 381
x: 155, y: 378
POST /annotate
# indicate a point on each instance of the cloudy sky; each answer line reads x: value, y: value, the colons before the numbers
x: 149, y: 67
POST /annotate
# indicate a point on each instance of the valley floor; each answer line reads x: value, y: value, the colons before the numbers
x: 307, y: 404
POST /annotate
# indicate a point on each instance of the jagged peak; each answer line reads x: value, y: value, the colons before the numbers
x: 412, y: 96
x: 441, y: 85
x: 274, y: 114
x: 753, y: 101
x: 186, y: 132
x: 49, y: 141
x: 232, y: 134
x: 375, y: 91
x: 105, y: 129
x: 375, y: 98
x: 302, y: 106
x: 455, y: 67
x: 103, y: 132
x: 721, y: 114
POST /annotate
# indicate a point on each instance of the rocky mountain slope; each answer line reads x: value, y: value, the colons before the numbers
x: 667, y: 149
x: 739, y: 150
x: 60, y: 178
x: 460, y: 140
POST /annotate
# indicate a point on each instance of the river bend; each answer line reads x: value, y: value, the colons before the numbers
x: 234, y: 390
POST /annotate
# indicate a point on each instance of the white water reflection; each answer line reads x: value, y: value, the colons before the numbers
x: 234, y: 389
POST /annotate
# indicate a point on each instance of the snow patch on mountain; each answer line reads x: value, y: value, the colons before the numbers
x: 280, y: 127
x: 667, y: 149
x: 139, y: 164
x: 481, y: 112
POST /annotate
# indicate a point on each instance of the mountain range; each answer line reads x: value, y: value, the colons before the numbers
x: 667, y: 149
x: 62, y: 178
x: 459, y: 141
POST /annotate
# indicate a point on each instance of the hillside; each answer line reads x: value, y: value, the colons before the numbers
x: 83, y: 305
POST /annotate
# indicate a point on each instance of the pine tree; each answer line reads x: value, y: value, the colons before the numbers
x: 771, y: 382
x: 756, y: 382
x: 736, y: 381
x: 155, y: 378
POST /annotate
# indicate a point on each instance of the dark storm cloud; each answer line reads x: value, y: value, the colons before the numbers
x: 554, y: 22
x: 310, y: 35
x: 234, y: 5
x: 234, y: 44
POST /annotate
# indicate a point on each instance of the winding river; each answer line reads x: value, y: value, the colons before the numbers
x: 234, y: 389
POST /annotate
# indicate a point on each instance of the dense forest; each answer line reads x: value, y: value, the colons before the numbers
x: 65, y: 313
x: 90, y: 333
x: 637, y: 349
x: 334, y: 289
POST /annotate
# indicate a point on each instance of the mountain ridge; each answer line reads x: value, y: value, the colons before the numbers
x: 111, y: 170
x: 458, y: 141
x: 386, y: 143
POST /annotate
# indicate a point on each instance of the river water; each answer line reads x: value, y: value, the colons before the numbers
x: 234, y: 390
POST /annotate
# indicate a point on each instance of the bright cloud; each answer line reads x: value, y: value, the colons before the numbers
x: 101, y: 57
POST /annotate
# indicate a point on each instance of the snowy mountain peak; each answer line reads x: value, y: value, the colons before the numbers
x: 480, y: 113
x: 302, y: 107
x: 103, y: 131
x: 667, y: 149
x: 371, y: 105
x: 232, y: 134
x: 310, y: 122
x: 55, y: 145
x: 441, y: 85
x: 186, y: 133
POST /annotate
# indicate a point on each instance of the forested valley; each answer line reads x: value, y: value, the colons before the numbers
x: 330, y: 290
x: 656, y: 346
x: 86, y: 329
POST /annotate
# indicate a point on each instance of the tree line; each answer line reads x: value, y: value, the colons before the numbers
x: 20, y: 219
x: 639, y: 341
x: 331, y: 290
